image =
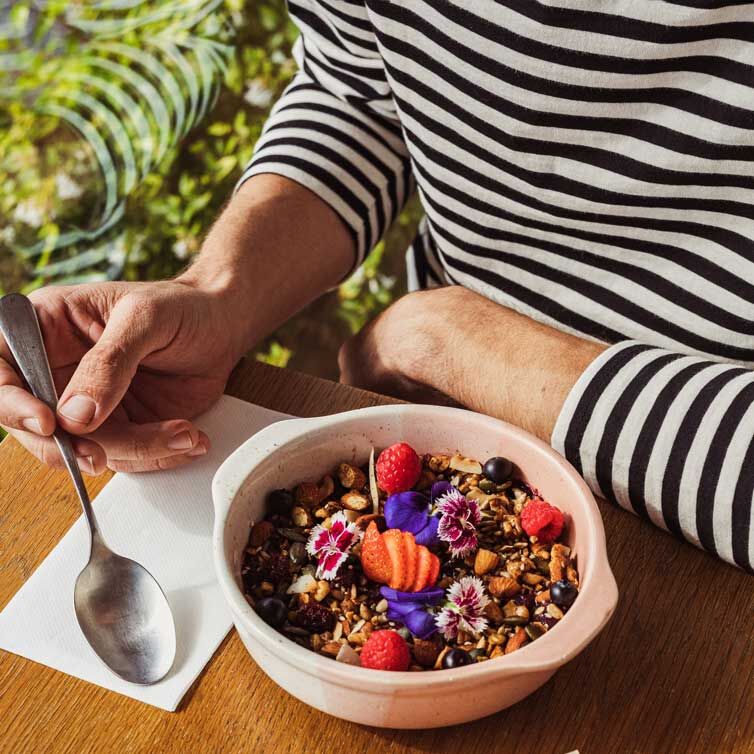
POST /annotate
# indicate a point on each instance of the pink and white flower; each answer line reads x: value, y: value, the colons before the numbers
x: 464, y: 609
x: 331, y: 545
x: 458, y: 523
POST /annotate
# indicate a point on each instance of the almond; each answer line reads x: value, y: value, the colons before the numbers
x: 351, y: 477
x: 516, y: 641
x: 485, y: 561
x: 502, y: 586
x: 260, y: 533
x: 307, y: 493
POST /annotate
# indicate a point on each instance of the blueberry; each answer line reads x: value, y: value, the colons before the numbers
x: 563, y: 593
x: 498, y: 469
x: 456, y: 658
x: 279, y: 502
x: 272, y: 611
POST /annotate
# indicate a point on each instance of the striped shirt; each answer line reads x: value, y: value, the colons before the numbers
x: 590, y: 165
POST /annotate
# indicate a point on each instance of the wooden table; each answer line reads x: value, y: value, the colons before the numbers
x: 673, y: 671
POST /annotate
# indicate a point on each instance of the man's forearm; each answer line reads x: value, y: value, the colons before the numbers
x: 275, y: 248
x: 505, y: 364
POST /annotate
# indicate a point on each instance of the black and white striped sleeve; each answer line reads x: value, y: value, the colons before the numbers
x: 670, y: 437
x: 335, y: 129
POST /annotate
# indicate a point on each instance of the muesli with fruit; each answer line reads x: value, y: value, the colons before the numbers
x: 412, y: 563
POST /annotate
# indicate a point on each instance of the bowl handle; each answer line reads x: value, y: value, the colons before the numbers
x: 236, y: 468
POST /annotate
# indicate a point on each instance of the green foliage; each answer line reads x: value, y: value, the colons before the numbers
x: 69, y: 212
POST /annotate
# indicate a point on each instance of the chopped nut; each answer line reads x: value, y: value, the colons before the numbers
x: 260, y: 533
x: 532, y: 579
x: 543, y: 597
x: 425, y: 651
x: 493, y: 613
x: 502, y: 586
x: 516, y: 641
x: 467, y: 465
x: 332, y: 648
x: 307, y: 493
x: 337, y: 631
x: 304, y: 583
x: 365, y: 612
x: 323, y: 589
x: 558, y: 561
x: 554, y: 611
x: 381, y: 606
x: 496, y: 652
x: 300, y: 516
x: 438, y: 463
x: 485, y: 561
x: 355, y: 501
x: 351, y: 477
x: 348, y: 655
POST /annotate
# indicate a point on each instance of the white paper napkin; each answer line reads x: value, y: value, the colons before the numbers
x: 162, y: 520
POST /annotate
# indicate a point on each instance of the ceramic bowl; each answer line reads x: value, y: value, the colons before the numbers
x: 291, y: 451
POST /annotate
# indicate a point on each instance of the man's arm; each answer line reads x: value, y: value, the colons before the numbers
x: 135, y: 361
x: 275, y: 248
x: 665, y: 435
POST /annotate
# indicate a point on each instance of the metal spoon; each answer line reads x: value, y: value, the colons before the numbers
x: 121, y: 609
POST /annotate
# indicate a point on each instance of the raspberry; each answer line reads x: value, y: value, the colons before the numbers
x: 398, y: 468
x: 542, y: 520
x: 385, y: 650
x: 315, y: 618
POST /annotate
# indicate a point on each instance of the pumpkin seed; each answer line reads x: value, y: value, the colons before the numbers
x: 534, y: 630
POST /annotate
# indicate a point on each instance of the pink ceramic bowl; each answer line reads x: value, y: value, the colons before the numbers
x: 300, y: 449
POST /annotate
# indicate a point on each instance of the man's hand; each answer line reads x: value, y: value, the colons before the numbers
x: 452, y: 345
x: 132, y: 363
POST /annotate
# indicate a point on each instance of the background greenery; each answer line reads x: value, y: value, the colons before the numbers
x: 134, y: 199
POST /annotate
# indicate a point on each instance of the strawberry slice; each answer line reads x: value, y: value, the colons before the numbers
x: 375, y: 559
x: 434, y: 571
x: 411, y: 550
x: 423, y: 568
x: 393, y: 539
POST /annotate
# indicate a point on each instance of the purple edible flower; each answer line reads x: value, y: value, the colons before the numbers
x: 458, y: 523
x: 412, y: 511
x: 411, y: 609
x: 464, y: 609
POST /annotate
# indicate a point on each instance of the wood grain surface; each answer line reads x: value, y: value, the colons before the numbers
x: 672, y: 672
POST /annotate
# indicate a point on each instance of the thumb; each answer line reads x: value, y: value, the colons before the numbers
x: 106, y: 370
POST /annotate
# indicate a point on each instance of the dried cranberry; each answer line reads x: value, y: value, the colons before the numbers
x: 315, y: 618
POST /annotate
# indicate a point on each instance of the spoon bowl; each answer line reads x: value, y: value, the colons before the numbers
x: 120, y: 607
x: 125, y: 617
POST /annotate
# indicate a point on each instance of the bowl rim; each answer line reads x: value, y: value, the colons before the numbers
x: 598, y: 593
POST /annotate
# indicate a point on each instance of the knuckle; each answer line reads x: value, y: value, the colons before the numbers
x: 141, y: 306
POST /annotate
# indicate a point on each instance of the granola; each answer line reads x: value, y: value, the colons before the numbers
x: 463, y: 560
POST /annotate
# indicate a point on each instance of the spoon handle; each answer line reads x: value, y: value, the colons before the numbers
x: 20, y: 327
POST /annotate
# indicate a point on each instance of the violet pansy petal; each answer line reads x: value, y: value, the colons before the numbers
x: 402, y: 609
x: 439, y: 489
x: 428, y: 596
x: 421, y: 624
x: 428, y: 535
x: 406, y: 511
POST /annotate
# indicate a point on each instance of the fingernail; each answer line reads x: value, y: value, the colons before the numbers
x: 86, y: 464
x: 199, y: 450
x: 78, y: 408
x: 181, y: 441
x: 32, y: 425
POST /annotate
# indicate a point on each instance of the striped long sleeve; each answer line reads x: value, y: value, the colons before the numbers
x: 671, y: 438
x: 335, y: 130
